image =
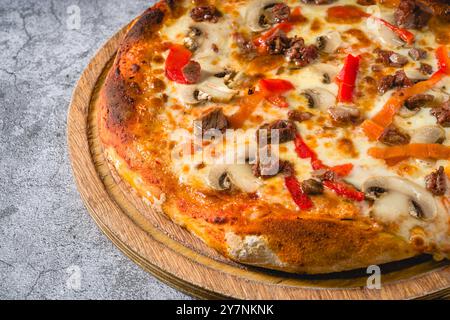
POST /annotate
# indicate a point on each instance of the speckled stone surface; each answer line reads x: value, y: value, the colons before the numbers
x: 50, y: 248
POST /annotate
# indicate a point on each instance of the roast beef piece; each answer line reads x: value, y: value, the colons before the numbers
x: 205, y: 13
x: 191, y: 72
x: 299, y: 54
x: 393, y: 136
x: 442, y: 114
x: 271, y: 167
x: 399, y: 79
x: 276, y: 13
x: 299, y: 116
x: 417, y: 54
x: 391, y: 58
x: 386, y: 83
x: 436, y: 182
x: 278, y: 43
x: 325, y: 175
x: 438, y: 8
x: 318, y: 1
x: 425, y: 68
x: 246, y: 46
x: 344, y: 114
x: 410, y: 15
x: 418, y: 101
x: 402, y: 80
x: 215, y: 119
x: 285, y: 129
x: 312, y: 187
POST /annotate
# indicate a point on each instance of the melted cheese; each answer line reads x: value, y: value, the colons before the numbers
x: 192, y: 169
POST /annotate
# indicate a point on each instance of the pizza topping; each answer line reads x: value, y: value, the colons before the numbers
x: 319, y: 98
x: 399, y: 79
x: 394, y: 136
x: 275, y: 13
x: 277, y: 43
x: 279, y: 30
x: 366, y: 2
x: 191, y: 72
x: 417, y: 54
x: 391, y: 58
x: 246, y: 46
x: 260, y: 15
x: 300, y: 198
x: 285, y: 131
x: 268, y: 164
x: 226, y: 177
x: 205, y: 13
x: 418, y: 101
x: 344, y: 190
x: 347, y: 78
x: 414, y: 150
x: 345, y: 114
x: 319, y: 2
x: 299, y: 54
x: 299, y: 116
x: 425, y: 68
x: 442, y: 114
x: 374, y: 127
x: 312, y: 187
x: 428, y: 134
x: 192, y: 39
x: 329, y: 42
x: 214, y: 119
x: 421, y: 202
x: 177, y: 58
x: 410, y: 15
x: 273, y: 89
x: 436, y: 182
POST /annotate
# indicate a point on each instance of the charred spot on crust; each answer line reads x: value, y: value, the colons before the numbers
x: 119, y: 102
x: 144, y: 26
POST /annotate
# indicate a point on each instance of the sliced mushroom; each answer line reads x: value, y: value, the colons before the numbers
x: 210, y: 89
x: 428, y: 134
x: 329, y: 42
x: 404, y: 112
x: 319, y: 98
x: 240, y: 176
x: 327, y: 72
x: 216, y: 89
x: 193, y: 38
x: 405, y: 197
x: 254, y: 12
x: 382, y: 33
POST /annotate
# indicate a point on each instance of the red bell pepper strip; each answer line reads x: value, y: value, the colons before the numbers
x: 260, y: 42
x: 343, y: 169
x: 273, y: 90
x: 344, y: 190
x: 349, y: 11
x: 443, y: 59
x: 275, y: 86
x: 403, y: 34
x: 177, y: 58
x: 374, y: 128
x: 300, y: 198
x: 347, y: 78
x: 305, y: 152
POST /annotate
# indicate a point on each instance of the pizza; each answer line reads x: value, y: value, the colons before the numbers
x: 306, y: 136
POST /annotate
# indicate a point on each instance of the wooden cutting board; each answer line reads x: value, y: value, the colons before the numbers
x: 181, y: 260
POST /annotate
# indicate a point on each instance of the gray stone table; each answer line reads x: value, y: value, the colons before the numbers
x: 50, y: 248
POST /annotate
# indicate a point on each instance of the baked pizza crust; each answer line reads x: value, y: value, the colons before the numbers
x: 276, y: 238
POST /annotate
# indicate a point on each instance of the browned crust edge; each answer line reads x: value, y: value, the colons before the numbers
x: 304, y: 245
